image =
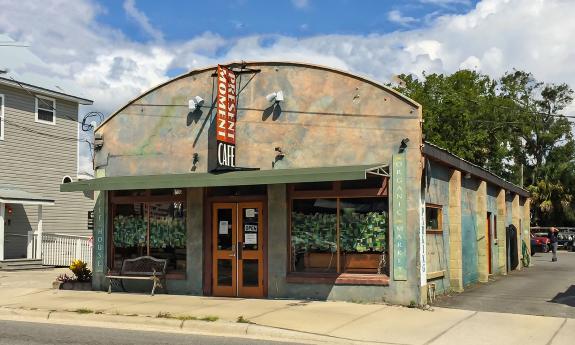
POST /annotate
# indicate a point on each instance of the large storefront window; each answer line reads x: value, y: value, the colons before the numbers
x: 314, y: 235
x: 156, y: 226
x: 339, y: 234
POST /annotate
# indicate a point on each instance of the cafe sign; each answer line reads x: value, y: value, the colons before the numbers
x: 224, y: 155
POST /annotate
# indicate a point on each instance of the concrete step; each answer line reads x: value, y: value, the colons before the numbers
x: 22, y: 264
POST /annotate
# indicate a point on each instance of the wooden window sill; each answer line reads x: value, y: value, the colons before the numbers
x: 338, y: 279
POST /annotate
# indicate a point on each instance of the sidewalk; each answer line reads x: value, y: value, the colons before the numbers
x: 309, y: 321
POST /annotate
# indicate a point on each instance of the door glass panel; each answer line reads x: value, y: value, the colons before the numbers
x: 250, y: 272
x: 250, y: 217
x: 225, y: 274
x: 224, y: 228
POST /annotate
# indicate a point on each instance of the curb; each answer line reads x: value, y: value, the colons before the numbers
x: 147, y: 323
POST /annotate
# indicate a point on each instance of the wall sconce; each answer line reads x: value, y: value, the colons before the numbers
x: 98, y: 141
x: 276, y: 97
x: 403, y: 144
x: 467, y: 176
x: 195, y: 160
x: 195, y: 103
x: 279, y: 156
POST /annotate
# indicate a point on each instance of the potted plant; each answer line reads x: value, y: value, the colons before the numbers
x: 81, y: 280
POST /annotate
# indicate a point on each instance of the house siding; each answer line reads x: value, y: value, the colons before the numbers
x: 37, y: 163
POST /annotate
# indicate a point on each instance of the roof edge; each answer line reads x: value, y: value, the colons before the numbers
x: 251, y: 63
x: 454, y: 161
x: 45, y: 91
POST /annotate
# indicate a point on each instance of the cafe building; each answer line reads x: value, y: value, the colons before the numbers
x: 291, y: 180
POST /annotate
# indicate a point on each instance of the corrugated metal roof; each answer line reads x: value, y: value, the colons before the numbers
x: 444, y: 156
x: 12, y: 195
x: 236, y: 178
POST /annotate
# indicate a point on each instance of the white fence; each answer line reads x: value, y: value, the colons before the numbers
x: 62, y: 249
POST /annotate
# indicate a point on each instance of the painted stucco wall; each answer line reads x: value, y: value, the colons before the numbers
x: 328, y: 118
x: 437, y: 193
x: 469, y: 189
x: 492, y: 193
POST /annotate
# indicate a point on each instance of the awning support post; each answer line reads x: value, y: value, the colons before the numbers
x: 39, y: 234
x: 2, y: 215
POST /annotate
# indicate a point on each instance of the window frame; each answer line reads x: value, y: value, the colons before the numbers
x: 37, y: 107
x: 439, y: 218
x: 147, y: 198
x: 337, y: 194
x: 2, y: 115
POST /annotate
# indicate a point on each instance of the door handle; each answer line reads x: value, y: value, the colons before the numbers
x: 240, y: 250
x: 233, y: 254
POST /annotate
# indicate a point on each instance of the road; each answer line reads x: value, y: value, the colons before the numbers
x: 547, y: 288
x: 28, y: 333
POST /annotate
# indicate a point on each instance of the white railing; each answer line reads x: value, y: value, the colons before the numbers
x: 62, y: 249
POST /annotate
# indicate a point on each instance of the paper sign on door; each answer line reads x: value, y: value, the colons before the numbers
x: 251, y: 238
x: 223, y: 228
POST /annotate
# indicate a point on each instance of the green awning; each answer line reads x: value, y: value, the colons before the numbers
x: 236, y: 178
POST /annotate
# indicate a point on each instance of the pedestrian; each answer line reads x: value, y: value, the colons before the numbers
x: 552, y: 234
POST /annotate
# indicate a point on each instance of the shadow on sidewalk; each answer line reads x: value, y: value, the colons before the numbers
x: 567, y: 297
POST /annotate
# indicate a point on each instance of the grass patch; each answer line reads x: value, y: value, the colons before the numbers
x: 84, y: 311
x: 241, y: 319
x: 166, y: 315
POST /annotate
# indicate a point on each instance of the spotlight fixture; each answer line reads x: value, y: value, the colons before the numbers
x: 403, y: 144
x: 195, y: 103
x: 467, y: 176
x: 276, y: 97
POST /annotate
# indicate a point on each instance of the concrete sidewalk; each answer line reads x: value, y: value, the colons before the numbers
x: 308, y: 321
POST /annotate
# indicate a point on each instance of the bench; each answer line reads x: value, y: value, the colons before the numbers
x: 141, y: 268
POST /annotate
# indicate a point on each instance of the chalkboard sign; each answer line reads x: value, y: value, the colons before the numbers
x: 399, y: 216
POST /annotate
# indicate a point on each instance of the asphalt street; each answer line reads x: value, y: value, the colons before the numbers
x: 28, y: 333
x: 547, y: 288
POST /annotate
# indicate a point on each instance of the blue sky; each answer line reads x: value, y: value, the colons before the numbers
x: 180, y: 20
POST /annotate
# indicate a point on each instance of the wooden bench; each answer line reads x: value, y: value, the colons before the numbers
x: 141, y: 268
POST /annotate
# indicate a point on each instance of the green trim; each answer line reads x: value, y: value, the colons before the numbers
x: 236, y: 178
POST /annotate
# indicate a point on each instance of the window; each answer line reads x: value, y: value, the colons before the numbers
x: 433, y: 218
x: 150, y: 225
x: 346, y: 233
x: 1, y: 117
x: 45, y: 110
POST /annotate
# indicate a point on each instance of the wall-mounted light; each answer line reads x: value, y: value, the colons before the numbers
x: 467, y: 176
x: 98, y: 141
x: 195, y: 103
x: 276, y: 97
x: 279, y: 156
x: 403, y: 144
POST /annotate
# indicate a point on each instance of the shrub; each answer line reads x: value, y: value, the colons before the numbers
x: 81, y: 271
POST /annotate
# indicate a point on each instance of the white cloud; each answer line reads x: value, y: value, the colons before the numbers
x: 395, y: 16
x: 300, y: 3
x: 142, y: 20
x: 74, y: 51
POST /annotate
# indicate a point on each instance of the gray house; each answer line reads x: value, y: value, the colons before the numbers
x: 39, y: 150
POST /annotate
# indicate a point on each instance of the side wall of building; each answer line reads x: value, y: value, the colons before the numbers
x: 37, y: 163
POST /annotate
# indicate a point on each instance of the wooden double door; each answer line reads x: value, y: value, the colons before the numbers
x: 237, y: 239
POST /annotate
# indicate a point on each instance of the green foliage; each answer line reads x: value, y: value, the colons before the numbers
x: 363, y: 232
x: 81, y: 271
x: 359, y: 232
x: 512, y: 126
x: 130, y: 231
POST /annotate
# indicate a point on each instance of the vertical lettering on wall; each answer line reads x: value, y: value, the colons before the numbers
x: 226, y: 113
x: 399, y: 216
x: 422, y: 241
x: 99, y: 239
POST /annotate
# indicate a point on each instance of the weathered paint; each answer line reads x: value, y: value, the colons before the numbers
x: 469, y: 189
x: 501, y: 231
x: 492, y: 193
x: 455, y: 232
x: 328, y: 118
x: 481, y: 234
x: 437, y: 192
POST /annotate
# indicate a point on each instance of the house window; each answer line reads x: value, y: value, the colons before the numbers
x: 150, y: 225
x: 339, y: 231
x: 433, y: 218
x: 1, y: 117
x: 45, y: 110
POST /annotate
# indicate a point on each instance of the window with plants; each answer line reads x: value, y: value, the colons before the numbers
x: 362, y: 231
x: 150, y: 228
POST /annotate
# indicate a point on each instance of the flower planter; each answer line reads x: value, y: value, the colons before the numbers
x: 320, y: 260
x: 83, y: 286
x: 361, y: 262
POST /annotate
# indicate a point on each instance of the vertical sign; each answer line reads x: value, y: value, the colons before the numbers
x: 99, y: 244
x: 399, y: 212
x: 422, y: 241
x: 225, y: 120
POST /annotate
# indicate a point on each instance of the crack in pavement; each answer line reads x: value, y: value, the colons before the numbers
x: 556, y: 332
x: 450, y: 328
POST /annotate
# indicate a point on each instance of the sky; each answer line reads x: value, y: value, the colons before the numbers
x: 113, y: 50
